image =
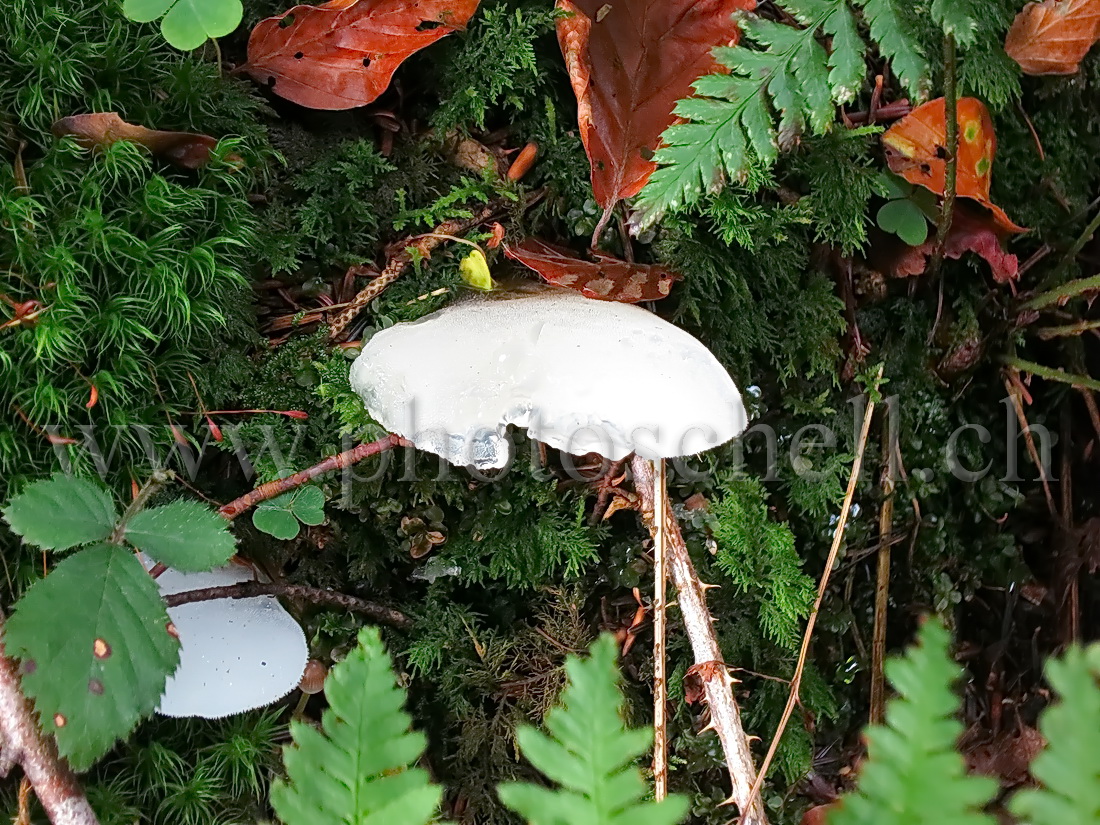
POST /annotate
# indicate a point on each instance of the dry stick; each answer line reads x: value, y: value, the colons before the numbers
x: 1021, y: 417
x: 838, y: 538
x: 22, y: 743
x: 725, y: 720
x: 660, y: 677
x: 951, y: 110
x: 882, y: 581
x: 248, y: 590
x: 396, y: 266
x: 273, y: 489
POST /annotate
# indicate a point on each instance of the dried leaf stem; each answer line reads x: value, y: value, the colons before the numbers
x: 314, y: 595
x: 807, y: 637
x: 882, y: 579
x: 340, y: 461
x: 725, y: 719
x: 660, y: 677
x: 421, y: 246
x: 22, y: 743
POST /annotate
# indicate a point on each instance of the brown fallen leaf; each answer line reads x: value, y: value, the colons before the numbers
x: 972, y: 230
x: 629, y: 62
x: 696, y: 675
x: 1053, y: 37
x: 100, y: 129
x: 343, y: 54
x: 606, y: 278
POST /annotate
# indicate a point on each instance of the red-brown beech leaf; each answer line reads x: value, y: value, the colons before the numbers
x: 99, y: 130
x: 1052, y: 37
x: 629, y: 62
x: 972, y: 230
x: 606, y: 278
x: 342, y: 54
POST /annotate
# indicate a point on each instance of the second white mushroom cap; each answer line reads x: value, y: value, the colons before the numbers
x: 581, y: 375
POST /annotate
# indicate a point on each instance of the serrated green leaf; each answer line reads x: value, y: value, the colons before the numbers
x: 1069, y: 766
x: 184, y: 535
x: 958, y: 18
x: 897, y: 42
x: 913, y: 773
x: 591, y: 754
x: 276, y: 521
x: 309, y: 506
x: 187, y: 24
x: 846, y: 65
x: 905, y: 219
x: 357, y: 768
x: 61, y: 512
x: 96, y: 651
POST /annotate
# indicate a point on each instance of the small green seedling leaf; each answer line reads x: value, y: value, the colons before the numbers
x: 475, y: 270
x: 278, y: 522
x: 96, y: 645
x: 184, y: 535
x: 187, y: 24
x: 905, y: 219
x: 358, y: 767
x: 61, y: 512
x: 309, y: 506
x: 591, y: 754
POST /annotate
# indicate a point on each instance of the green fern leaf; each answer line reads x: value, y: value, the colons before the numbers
x: 958, y: 18
x: 591, y: 754
x: 897, y: 42
x: 1069, y: 768
x: 913, y: 773
x: 356, y: 769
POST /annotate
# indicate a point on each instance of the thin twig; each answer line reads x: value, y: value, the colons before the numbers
x: 838, y: 538
x: 22, y: 743
x: 1021, y: 417
x: 951, y: 111
x: 273, y: 489
x: 660, y: 677
x: 422, y: 246
x: 882, y: 581
x: 1051, y: 374
x: 314, y: 595
x: 1063, y: 293
x: 725, y: 719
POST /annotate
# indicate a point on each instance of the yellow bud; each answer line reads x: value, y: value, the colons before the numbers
x: 475, y: 270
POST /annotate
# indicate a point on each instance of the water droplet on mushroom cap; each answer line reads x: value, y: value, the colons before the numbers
x: 581, y: 375
x: 235, y: 654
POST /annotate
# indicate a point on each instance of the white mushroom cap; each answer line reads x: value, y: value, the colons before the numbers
x: 581, y: 375
x: 235, y: 654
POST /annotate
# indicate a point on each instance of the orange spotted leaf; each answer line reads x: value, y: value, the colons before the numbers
x: 916, y: 149
x: 1052, y: 37
x: 342, y: 54
x: 629, y: 62
x: 606, y: 278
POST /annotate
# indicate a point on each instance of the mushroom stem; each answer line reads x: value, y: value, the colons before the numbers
x: 22, y: 743
x: 660, y: 683
x: 725, y: 719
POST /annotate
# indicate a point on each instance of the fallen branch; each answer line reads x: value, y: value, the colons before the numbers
x: 421, y: 246
x: 24, y: 744
x: 274, y: 489
x: 314, y: 595
x: 725, y: 719
x: 830, y: 562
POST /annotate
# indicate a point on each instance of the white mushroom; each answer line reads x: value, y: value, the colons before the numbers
x: 581, y: 375
x: 235, y: 654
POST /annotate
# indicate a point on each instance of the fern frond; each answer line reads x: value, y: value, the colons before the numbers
x: 913, y: 773
x: 356, y: 769
x: 897, y: 41
x: 590, y: 753
x: 957, y: 18
x: 1069, y: 767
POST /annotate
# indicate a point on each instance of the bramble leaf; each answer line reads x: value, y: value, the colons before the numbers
x: 357, y: 768
x: 61, y: 512
x: 96, y: 648
x: 184, y: 535
x: 590, y: 753
x: 187, y: 24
